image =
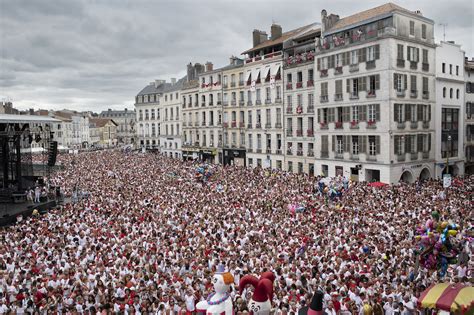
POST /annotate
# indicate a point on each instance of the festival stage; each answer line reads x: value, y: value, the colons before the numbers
x: 10, y: 211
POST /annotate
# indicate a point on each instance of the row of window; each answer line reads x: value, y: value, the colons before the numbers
x: 352, y: 57
x: 355, y: 145
x: 155, y: 98
x: 369, y: 113
x: 412, y: 143
x: 411, y: 112
x: 451, y: 93
x: 150, y: 114
x: 154, y: 130
x: 443, y: 68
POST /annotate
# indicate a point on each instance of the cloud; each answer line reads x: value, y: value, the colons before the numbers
x: 95, y: 54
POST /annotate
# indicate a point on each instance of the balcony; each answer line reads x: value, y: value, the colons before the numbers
x: 426, y: 95
x: 354, y: 125
x: 400, y: 93
x: 196, y: 104
x: 278, y: 151
x: 196, y: 123
x: 278, y: 125
x: 203, y: 124
x: 233, y: 124
x: 249, y: 126
x: 426, y: 124
x: 232, y: 84
x: 241, y: 103
x: 289, y: 110
x: 401, y: 125
x: 259, y: 150
x: 324, y: 154
x: 310, y: 133
x: 413, y: 93
x: 249, y: 103
x: 225, y: 103
x: 338, y: 70
x: 354, y: 95
x: 371, y: 158
x: 258, y: 126
x: 310, y: 153
x: 338, y: 125
x: 413, y: 125
x: 267, y: 56
x: 371, y: 94
x: 323, y: 98
x: 354, y: 68
x: 225, y: 125
x: 219, y: 103
x: 268, y: 101
x: 299, y: 85
x: 203, y: 104
x: 355, y: 157
x: 413, y: 65
x: 289, y: 151
x: 323, y: 125
x: 338, y: 97
x: 414, y: 156
x: 371, y: 124
x: 339, y: 155
x: 299, y: 133
x: 278, y: 100
x: 225, y: 85
x: 309, y: 83
x: 400, y: 63
x: 299, y: 152
x: 233, y: 102
x: 289, y: 86
x: 401, y: 157
x: 268, y: 125
x: 425, y: 66
x: 258, y: 102
x: 241, y: 83
x: 370, y: 64
x: 310, y: 109
x: 323, y: 73
x: 211, y: 103
x: 268, y: 150
x: 289, y: 133
x: 426, y: 155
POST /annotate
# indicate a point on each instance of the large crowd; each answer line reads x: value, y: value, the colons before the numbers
x: 144, y: 235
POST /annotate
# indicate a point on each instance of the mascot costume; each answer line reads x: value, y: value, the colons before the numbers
x: 261, y: 301
x: 218, y: 302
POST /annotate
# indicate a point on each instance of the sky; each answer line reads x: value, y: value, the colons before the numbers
x: 98, y: 54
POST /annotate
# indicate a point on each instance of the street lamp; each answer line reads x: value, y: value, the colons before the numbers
x: 447, y: 154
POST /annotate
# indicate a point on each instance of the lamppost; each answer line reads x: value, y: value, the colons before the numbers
x: 447, y: 154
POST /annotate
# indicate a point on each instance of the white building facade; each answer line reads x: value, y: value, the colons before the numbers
x: 469, y: 115
x: 449, y: 109
x: 170, y: 120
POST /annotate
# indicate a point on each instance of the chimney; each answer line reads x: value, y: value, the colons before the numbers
x: 209, y: 66
x: 190, y: 72
x: 324, y: 16
x: 173, y: 81
x: 276, y: 31
x: 232, y: 60
x: 259, y: 37
x: 332, y: 20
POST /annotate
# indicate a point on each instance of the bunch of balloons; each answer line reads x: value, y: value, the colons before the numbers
x: 203, y: 173
x: 436, y: 244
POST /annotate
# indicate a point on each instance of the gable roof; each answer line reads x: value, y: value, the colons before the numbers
x: 367, y: 15
x: 100, y: 122
x: 163, y: 87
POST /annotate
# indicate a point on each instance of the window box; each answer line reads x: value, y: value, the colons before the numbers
x: 289, y: 110
x: 289, y: 152
x: 289, y: 133
x: 323, y: 98
x: 426, y: 155
x: 258, y: 102
x: 425, y: 66
x: 299, y: 109
x: 414, y: 94
x: 278, y: 151
x: 299, y: 133
x: 225, y: 125
x: 310, y: 153
x: 241, y: 125
x: 354, y: 96
x: 354, y: 68
x: 258, y: 125
x: 338, y: 125
x: 241, y: 103
x: 426, y: 95
x: 299, y: 152
x: 278, y: 100
x: 324, y: 154
x: 310, y: 109
x: 299, y: 85
x: 259, y: 150
x: 310, y: 133
x: 401, y: 125
x: 401, y: 63
x: 249, y: 126
x: 370, y: 65
x: 354, y: 125
x: 233, y: 102
x: 338, y: 97
x: 371, y: 158
x: 323, y: 125
x: 203, y: 104
x: 289, y: 86
x: 268, y: 125
x: 401, y: 93
x: 338, y: 70
x: 371, y: 124
x: 278, y: 125
x: 426, y: 124
x: 414, y: 156
x: 203, y: 123
x: 414, y: 125
x: 241, y: 83
x: 310, y: 83
x: 401, y: 157
x: 232, y: 84
x: 249, y: 103
x: 268, y: 151
x: 249, y: 150
x: 371, y: 94
x: 234, y: 124
x: 268, y: 101
x: 413, y: 65
x: 323, y: 73
x: 225, y: 103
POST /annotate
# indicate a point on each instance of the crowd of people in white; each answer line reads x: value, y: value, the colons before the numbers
x: 149, y: 236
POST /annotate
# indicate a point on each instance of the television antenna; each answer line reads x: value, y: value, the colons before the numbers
x: 444, y: 25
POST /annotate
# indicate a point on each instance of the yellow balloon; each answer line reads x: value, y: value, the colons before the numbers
x: 444, y: 224
x: 452, y: 232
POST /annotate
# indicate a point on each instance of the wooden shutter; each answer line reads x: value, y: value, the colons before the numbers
x: 429, y: 142
x: 408, y: 53
x: 417, y: 56
x: 331, y: 61
x: 362, y: 83
x: 346, y: 113
x: 429, y: 112
x: 347, y: 57
x: 331, y: 115
x: 407, y: 144
x: 420, y: 112
x: 396, y: 115
x: 319, y: 64
x: 405, y: 77
x: 363, y: 112
x: 348, y: 85
x: 419, y: 143
x: 363, y: 144
x: 377, y: 144
x: 407, y: 112
x: 319, y: 115
x: 377, y: 51
x: 362, y: 55
x: 377, y: 112
x: 377, y: 81
x: 395, y: 81
x: 347, y: 143
x: 333, y: 144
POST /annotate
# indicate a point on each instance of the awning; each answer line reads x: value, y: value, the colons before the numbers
x: 255, y: 74
x: 265, y: 72
x: 455, y: 298
x: 275, y: 69
x: 249, y: 73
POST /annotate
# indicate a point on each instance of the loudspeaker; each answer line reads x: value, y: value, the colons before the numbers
x: 52, y: 154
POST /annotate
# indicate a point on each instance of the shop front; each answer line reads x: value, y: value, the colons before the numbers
x: 234, y: 157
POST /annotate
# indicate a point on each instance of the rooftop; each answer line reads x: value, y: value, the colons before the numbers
x: 8, y: 118
x: 164, y: 87
x: 100, y: 122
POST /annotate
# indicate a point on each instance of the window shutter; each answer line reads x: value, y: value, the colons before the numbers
x: 417, y: 56
x: 408, y: 53
x: 348, y: 85
x: 331, y: 61
x: 377, y: 144
x: 407, y: 112
x: 363, y: 144
x: 347, y: 143
x: 362, y: 55
x: 419, y: 144
x: 396, y: 116
x: 319, y: 115
x: 333, y: 144
x: 363, y: 112
x: 429, y: 112
x: 429, y: 142
x: 407, y: 143
x: 405, y: 77
x: 363, y: 80
x: 346, y: 113
x: 395, y: 81
x: 377, y: 51
x: 377, y: 112
x: 377, y: 81
x: 419, y: 112
x: 319, y: 64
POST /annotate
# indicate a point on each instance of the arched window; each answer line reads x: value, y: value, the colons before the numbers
x: 451, y: 93
x: 444, y: 92
x: 457, y: 93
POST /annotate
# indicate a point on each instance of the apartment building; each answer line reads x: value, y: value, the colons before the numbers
x: 126, y: 121
x: 449, y: 115
x: 374, y: 81
x: 469, y: 115
x: 298, y: 67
